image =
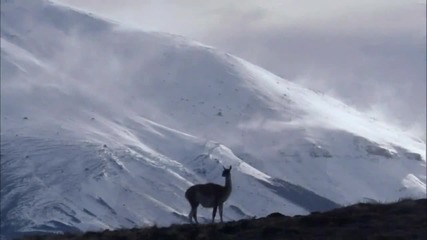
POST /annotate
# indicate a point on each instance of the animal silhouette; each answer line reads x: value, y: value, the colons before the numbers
x: 209, y: 195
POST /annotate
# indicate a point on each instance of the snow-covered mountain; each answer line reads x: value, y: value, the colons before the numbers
x: 105, y: 127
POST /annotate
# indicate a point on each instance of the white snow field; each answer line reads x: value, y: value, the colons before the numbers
x: 105, y: 127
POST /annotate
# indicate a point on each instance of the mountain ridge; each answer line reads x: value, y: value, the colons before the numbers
x: 402, y: 219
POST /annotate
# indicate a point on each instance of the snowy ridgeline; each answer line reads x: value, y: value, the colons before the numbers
x: 106, y: 127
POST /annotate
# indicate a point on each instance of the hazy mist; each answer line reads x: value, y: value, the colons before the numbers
x: 370, y: 54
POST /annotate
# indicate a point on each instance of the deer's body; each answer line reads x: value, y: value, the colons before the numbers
x: 209, y: 195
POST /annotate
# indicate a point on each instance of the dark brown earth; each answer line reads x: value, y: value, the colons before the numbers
x: 405, y: 219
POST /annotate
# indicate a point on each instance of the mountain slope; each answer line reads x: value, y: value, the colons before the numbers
x: 405, y: 219
x: 105, y: 127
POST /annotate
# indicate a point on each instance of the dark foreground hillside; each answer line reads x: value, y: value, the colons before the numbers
x: 405, y: 219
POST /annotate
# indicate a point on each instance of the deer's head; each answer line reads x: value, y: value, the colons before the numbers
x: 226, y: 172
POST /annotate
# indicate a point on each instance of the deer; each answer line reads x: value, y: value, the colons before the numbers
x: 209, y: 195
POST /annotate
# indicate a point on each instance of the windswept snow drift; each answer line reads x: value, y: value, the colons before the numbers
x: 106, y: 127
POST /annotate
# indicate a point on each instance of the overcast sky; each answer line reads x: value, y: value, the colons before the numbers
x: 369, y: 53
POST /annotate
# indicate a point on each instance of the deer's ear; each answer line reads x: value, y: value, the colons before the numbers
x: 223, y: 167
x: 230, y: 167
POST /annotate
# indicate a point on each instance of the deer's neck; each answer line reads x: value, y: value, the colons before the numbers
x: 228, y: 184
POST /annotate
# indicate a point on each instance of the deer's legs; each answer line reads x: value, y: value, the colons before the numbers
x: 220, y: 211
x: 213, y: 214
x: 190, y: 216
x: 194, y: 211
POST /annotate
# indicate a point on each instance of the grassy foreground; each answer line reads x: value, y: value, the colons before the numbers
x: 405, y: 219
